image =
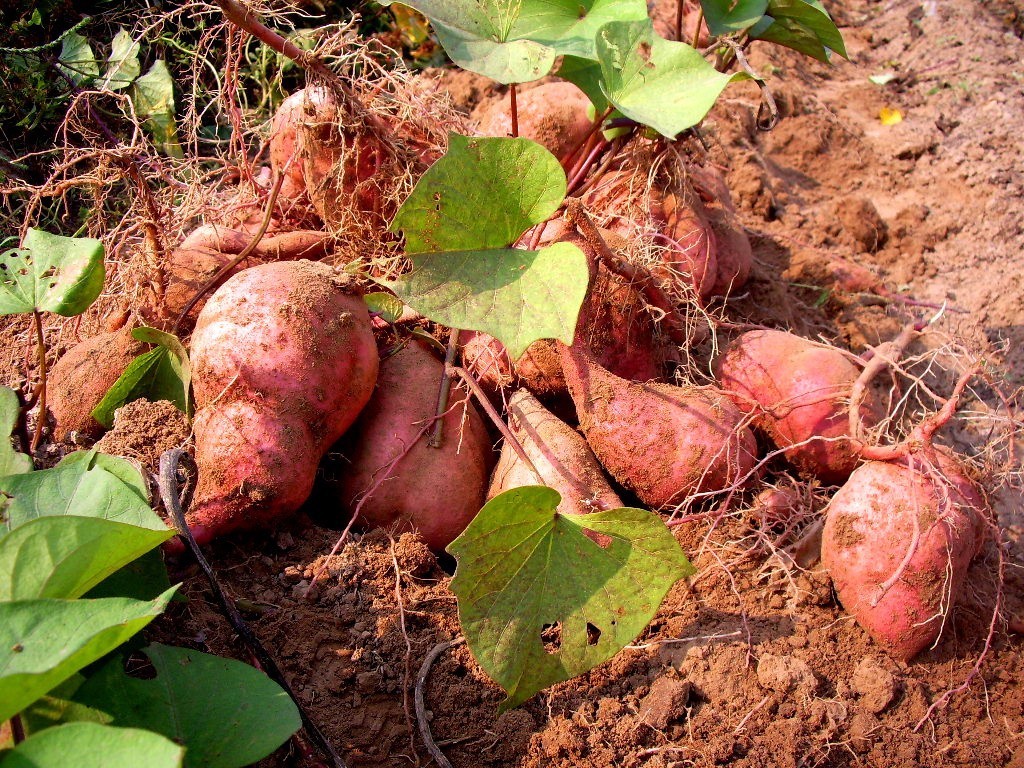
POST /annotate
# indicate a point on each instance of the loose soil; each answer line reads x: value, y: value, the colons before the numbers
x: 747, y: 663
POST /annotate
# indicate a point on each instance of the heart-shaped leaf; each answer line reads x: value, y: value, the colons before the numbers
x: 64, y: 557
x: 656, y: 82
x: 515, y: 42
x: 226, y: 713
x: 84, y: 483
x: 77, y: 59
x: 122, y: 64
x: 44, y: 642
x: 459, y: 222
x: 803, y: 25
x: 541, y: 602
x: 51, y: 273
x: 153, y: 97
x: 517, y: 296
x: 94, y: 746
x: 11, y: 462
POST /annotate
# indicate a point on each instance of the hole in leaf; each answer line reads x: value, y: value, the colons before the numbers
x: 139, y: 666
x: 593, y: 634
x: 53, y: 285
x: 551, y: 636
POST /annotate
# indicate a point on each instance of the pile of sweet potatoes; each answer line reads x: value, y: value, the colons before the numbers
x: 295, y: 381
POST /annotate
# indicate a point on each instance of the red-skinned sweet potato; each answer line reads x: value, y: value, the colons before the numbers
x: 83, y: 375
x: 665, y: 443
x: 798, y: 393
x: 558, y: 452
x: 393, y: 476
x: 553, y: 114
x: 897, y: 541
x: 283, y: 361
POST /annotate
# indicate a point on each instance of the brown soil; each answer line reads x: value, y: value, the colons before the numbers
x: 748, y: 663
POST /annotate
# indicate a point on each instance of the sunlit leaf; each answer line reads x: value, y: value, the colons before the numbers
x: 122, y: 64
x: 91, y: 745
x: 11, y: 462
x: 77, y: 59
x: 51, y: 273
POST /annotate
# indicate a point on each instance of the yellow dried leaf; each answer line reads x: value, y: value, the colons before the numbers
x: 890, y: 116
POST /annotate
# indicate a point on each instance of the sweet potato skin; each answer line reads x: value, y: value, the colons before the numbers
x: 559, y: 453
x: 870, y: 532
x: 83, y: 375
x: 798, y: 393
x: 283, y: 361
x: 553, y: 114
x: 436, y: 491
x: 665, y: 443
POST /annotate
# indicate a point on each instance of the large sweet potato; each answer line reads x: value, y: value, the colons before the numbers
x: 283, y: 361
x: 390, y: 472
x: 553, y: 114
x: 897, y: 541
x: 798, y: 392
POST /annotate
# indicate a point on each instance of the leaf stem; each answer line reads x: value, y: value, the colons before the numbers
x: 37, y: 321
x: 444, y: 391
x: 515, y: 111
x: 696, y: 31
x: 17, y: 729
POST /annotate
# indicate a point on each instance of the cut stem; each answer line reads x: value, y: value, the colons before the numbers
x: 37, y: 321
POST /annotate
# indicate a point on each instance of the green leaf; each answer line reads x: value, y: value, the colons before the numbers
x: 152, y: 95
x: 85, y: 484
x: 657, y: 82
x: 56, y: 708
x: 64, y: 557
x: 90, y: 745
x: 384, y: 304
x: 524, y: 569
x: 44, y: 642
x: 77, y: 59
x: 515, y: 42
x: 726, y: 16
x: 163, y: 373
x: 517, y: 296
x: 226, y: 713
x: 143, y: 578
x: 803, y: 25
x: 123, y: 63
x: 479, y: 198
x: 11, y: 462
x: 51, y: 273
x: 483, y: 193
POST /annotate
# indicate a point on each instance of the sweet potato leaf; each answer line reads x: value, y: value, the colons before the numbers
x: 162, y: 373
x: 51, y: 273
x: 518, y: 42
x: 541, y: 602
x: 77, y: 59
x: 122, y: 64
x: 725, y: 16
x: 663, y: 84
x: 153, y: 97
x: 226, y: 713
x: 44, y: 642
x: 64, y: 557
x: 459, y: 222
x: 84, y: 483
x: 803, y: 25
x: 11, y: 462
x: 91, y: 745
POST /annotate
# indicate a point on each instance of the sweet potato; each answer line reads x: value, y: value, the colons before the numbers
x: 283, y: 361
x: 798, y: 392
x: 286, y: 156
x: 664, y: 443
x: 393, y: 476
x: 558, y: 452
x: 204, y: 252
x: 897, y: 541
x: 83, y: 375
x: 553, y: 114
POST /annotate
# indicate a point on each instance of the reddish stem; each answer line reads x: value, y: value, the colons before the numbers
x: 515, y: 111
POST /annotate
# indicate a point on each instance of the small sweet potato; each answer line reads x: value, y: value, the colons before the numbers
x: 83, y: 375
x: 558, y: 452
x: 897, y: 541
x: 283, y: 361
x: 390, y: 472
x: 798, y: 392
